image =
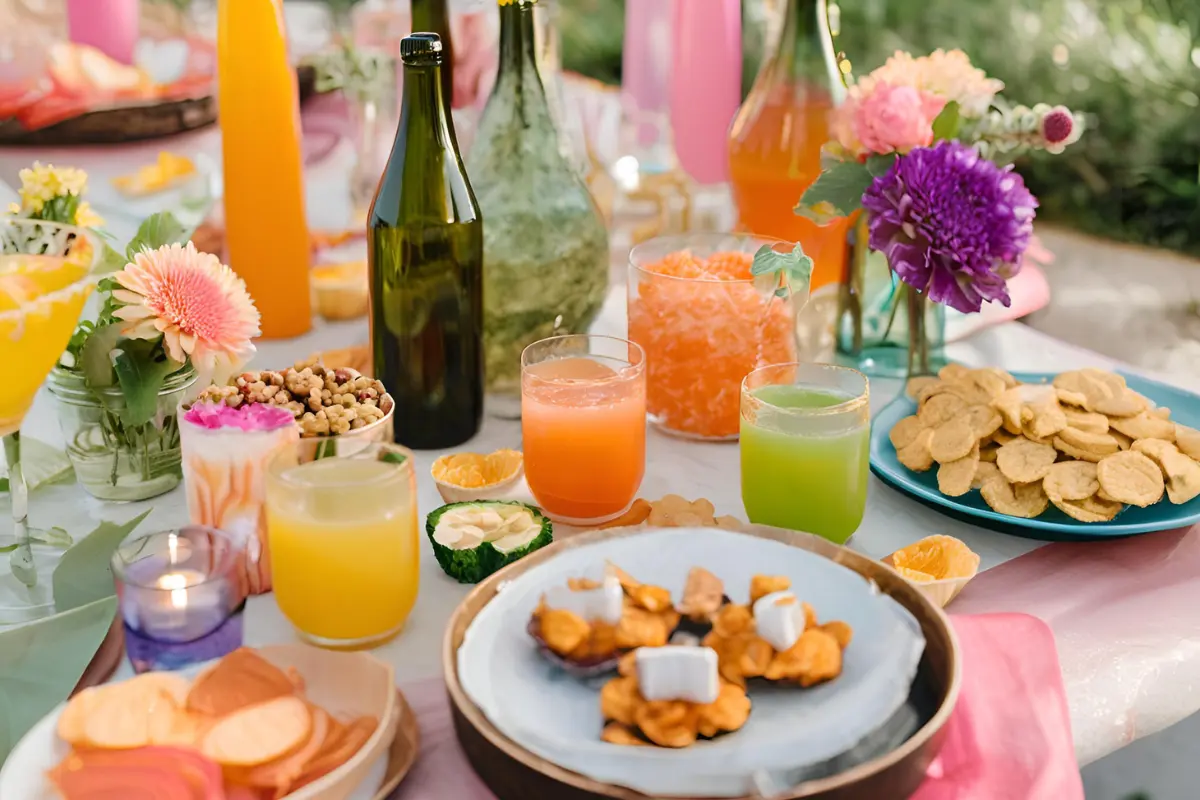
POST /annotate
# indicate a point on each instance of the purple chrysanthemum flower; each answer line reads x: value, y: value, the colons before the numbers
x: 951, y: 223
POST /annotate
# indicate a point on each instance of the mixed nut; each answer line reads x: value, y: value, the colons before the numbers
x: 324, y: 401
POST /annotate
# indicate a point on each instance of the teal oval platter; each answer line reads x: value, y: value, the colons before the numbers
x: 1052, y: 524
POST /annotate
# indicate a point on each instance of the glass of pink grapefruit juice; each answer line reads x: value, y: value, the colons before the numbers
x: 583, y: 420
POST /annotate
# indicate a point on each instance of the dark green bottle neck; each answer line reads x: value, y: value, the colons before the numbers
x: 518, y: 72
x: 422, y: 106
x: 805, y: 52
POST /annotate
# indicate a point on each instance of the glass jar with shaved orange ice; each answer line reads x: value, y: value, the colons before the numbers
x: 705, y: 322
x: 583, y: 422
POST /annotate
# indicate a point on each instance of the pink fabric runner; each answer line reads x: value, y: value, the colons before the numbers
x: 1126, y: 620
x: 1008, y: 739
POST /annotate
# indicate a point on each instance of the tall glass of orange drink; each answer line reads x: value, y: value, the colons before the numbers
x: 583, y: 420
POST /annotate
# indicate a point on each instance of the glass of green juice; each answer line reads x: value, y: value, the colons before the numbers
x: 805, y: 433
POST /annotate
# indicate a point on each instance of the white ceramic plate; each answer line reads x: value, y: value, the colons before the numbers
x: 23, y: 776
x: 558, y: 717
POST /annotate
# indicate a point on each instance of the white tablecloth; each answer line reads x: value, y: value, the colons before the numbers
x: 1101, y: 724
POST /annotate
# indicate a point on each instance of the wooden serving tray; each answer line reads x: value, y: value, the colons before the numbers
x: 514, y: 773
x: 403, y: 751
x: 150, y: 120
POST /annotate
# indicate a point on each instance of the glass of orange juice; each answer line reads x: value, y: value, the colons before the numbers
x: 342, y: 533
x: 583, y: 420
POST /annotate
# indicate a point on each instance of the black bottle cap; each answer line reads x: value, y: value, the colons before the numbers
x: 421, y: 48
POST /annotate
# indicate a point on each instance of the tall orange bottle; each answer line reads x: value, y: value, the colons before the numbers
x: 776, y: 138
x: 266, y: 233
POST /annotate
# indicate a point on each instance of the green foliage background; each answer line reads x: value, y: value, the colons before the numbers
x: 1132, y: 65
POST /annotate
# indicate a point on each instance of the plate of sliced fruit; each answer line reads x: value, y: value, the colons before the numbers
x: 279, y: 721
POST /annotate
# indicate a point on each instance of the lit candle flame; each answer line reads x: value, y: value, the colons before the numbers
x: 173, y: 547
x: 177, y: 583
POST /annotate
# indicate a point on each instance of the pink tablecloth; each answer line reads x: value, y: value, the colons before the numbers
x: 1009, y: 738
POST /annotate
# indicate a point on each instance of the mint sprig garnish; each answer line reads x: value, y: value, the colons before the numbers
x: 795, y: 267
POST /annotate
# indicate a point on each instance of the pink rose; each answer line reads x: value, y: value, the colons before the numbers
x: 896, y: 118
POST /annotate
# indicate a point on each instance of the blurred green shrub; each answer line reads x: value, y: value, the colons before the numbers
x: 1132, y: 65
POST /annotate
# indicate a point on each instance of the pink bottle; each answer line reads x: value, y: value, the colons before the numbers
x: 645, y: 84
x: 110, y: 26
x: 706, y: 84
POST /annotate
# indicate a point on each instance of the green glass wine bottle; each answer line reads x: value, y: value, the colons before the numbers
x: 431, y: 16
x: 425, y: 249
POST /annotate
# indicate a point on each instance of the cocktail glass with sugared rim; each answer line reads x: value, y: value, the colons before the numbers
x: 45, y: 279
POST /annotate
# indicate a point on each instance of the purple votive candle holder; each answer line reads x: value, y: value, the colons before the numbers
x: 180, y: 594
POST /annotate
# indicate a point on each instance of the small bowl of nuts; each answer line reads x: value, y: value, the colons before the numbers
x: 326, y: 403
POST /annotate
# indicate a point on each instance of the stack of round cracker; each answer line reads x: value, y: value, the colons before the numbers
x: 1087, y: 443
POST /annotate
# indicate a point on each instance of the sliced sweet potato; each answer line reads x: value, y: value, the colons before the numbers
x: 280, y: 774
x: 353, y: 737
x: 242, y: 678
x: 73, y: 718
x: 125, y: 714
x: 172, y: 684
x: 259, y: 733
x: 179, y: 728
x: 172, y: 773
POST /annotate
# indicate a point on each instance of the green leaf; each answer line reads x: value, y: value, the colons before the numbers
x: 95, y: 360
x: 41, y: 662
x: 158, y: 230
x: 947, y: 123
x: 84, y: 574
x: 795, y: 267
x: 56, y: 537
x: 878, y: 165
x: 42, y: 464
x: 60, y: 208
x: 141, y: 367
x: 836, y: 193
x: 110, y: 261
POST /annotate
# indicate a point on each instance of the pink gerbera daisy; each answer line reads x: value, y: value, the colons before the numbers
x: 197, y: 304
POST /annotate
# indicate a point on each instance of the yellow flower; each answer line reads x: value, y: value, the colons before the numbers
x: 40, y: 184
x: 86, y: 217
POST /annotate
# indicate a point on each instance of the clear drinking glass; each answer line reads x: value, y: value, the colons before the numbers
x: 583, y: 420
x: 805, y: 432
x: 342, y: 533
x: 180, y: 593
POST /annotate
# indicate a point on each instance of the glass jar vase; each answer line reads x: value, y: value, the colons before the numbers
x: 114, y: 461
x: 705, y: 323
x: 885, y: 328
x: 545, y: 249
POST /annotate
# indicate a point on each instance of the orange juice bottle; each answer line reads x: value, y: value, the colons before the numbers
x: 776, y: 138
x: 265, y: 231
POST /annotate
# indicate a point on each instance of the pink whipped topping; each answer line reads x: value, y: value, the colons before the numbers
x: 251, y: 417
